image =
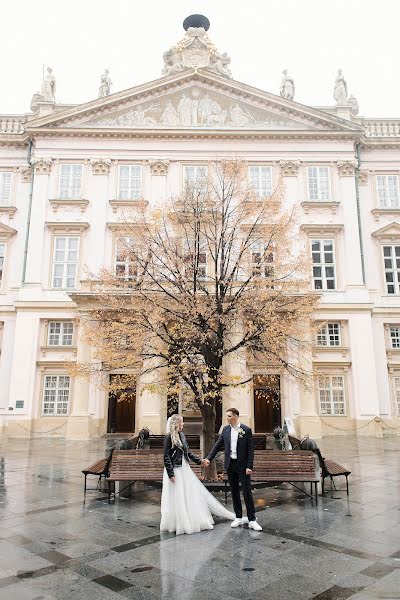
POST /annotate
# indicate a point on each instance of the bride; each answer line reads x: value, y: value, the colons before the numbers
x: 186, y: 505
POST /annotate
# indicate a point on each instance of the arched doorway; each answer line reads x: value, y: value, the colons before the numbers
x: 267, y: 402
x: 121, y: 413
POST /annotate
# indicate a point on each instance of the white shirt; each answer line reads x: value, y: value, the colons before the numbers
x: 234, y: 439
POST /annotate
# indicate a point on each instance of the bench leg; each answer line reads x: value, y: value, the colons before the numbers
x: 323, y: 485
x: 226, y: 494
x: 109, y: 492
x: 84, y: 492
x: 347, y: 484
x: 316, y: 493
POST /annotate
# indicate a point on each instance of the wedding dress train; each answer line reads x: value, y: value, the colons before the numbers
x: 186, y: 505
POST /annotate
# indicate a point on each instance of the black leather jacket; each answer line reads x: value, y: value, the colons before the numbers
x: 173, y: 455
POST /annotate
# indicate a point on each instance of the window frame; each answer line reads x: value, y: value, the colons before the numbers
x: 8, y: 202
x: 396, y: 272
x: 60, y: 234
x: 62, y: 322
x: 268, y: 193
x: 58, y: 375
x: 323, y: 265
x: 329, y: 184
x: 330, y: 376
x: 329, y: 336
x: 195, y: 165
x: 70, y: 196
x: 126, y: 278
x: 130, y: 197
x: 379, y: 200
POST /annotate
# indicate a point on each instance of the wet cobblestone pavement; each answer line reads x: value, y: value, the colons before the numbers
x: 53, y: 548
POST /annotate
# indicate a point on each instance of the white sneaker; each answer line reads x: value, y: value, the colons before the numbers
x: 254, y: 525
x: 245, y: 521
x: 236, y: 522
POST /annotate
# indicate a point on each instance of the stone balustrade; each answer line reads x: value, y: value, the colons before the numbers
x: 10, y: 124
x: 381, y: 127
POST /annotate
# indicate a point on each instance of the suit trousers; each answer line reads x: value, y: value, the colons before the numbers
x: 236, y: 476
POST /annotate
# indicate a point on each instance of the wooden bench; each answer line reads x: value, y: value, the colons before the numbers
x: 329, y: 468
x: 289, y: 466
x: 100, y: 468
x: 136, y: 465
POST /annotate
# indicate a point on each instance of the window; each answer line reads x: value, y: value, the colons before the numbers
x: 260, y: 179
x: 329, y: 335
x: 391, y: 260
x: 395, y: 337
x: 2, y: 258
x: 323, y: 259
x: 396, y: 385
x: 195, y: 177
x: 125, y: 264
x: 388, y: 191
x: 65, y: 261
x: 195, y: 259
x: 70, y: 181
x: 318, y: 183
x: 130, y: 182
x: 56, y: 394
x: 262, y: 258
x: 5, y: 187
x: 331, y: 395
x: 60, y: 333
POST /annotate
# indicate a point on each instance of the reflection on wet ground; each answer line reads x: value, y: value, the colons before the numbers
x: 53, y: 548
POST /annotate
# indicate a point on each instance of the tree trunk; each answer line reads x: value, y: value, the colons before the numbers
x: 209, y: 413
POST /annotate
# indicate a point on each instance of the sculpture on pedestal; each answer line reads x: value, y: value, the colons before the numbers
x: 287, y: 86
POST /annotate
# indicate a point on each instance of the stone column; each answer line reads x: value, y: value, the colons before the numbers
x: 79, y: 421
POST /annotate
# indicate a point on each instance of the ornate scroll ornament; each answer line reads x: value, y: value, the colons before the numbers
x: 26, y: 174
x: 159, y: 167
x: 196, y: 51
x: 363, y: 176
x: 346, y: 168
x: 42, y: 166
x: 289, y: 168
x: 100, y: 166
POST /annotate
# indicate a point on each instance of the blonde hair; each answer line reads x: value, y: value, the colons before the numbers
x: 174, y: 422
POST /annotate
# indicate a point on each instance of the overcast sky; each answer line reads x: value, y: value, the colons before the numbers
x: 311, y: 38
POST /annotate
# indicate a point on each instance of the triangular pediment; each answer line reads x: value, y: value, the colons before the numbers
x: 6, y: 231
x: 389, y: 231
x: 194, y: 100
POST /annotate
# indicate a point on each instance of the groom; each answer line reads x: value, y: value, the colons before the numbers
x: 237, y: 440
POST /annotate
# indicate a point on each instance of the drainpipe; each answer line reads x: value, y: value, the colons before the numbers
x: 360, y: 237
x: 28, y: 223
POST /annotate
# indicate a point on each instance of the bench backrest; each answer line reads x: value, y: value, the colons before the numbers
x: 290, y: 462
x: 157, y: 441
x: 140, y: 465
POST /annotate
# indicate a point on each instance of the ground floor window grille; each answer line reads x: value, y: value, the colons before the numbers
x: 56, y: 394
x: 331, y: 395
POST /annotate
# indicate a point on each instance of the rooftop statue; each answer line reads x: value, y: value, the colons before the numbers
x: 287, y: 86
x: 105, y: 85
x: 49, y: 86
x: 196, y: 51
x: 340, y: 91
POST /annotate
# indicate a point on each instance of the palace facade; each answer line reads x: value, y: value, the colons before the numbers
x: 68, y: 173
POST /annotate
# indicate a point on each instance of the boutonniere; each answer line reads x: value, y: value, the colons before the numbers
x: 241, y: 432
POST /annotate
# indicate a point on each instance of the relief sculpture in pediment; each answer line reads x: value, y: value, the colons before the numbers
x: 195, y: 109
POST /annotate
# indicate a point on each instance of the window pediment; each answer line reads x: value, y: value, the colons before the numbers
x: 6, y: 232
x: 321, y: 228
x: 388, y: 233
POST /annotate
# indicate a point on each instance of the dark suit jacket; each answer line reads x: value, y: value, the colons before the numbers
x: 245, y: 448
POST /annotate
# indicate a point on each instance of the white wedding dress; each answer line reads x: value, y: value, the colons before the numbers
x: 186, y: 505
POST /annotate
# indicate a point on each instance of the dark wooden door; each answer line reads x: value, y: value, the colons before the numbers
x: 121, y: 412
x: 267, y: 406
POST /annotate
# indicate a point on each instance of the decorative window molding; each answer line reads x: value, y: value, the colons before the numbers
x: 321, y: 229
x: 346, y: 168
x: 289, y: 168
x: 324, y: 267
x: 313, y: 205
x: 396, y: 393
x: 387, y: 187
x: 363, y: 176
x: 159, y: 167
x: 57, y: 203
x: 60, y: 333
x: 329, y: 335
x: 68, y: 227
x: 26, y: 174
x: 41, y: 166
x: 100, y: 166
x: 124, y: 204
